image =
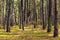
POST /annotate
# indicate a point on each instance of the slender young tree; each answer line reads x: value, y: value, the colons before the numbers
x: 55, y: 19
x: 27, y: 12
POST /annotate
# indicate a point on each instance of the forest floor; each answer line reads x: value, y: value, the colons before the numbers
x: 28, y: 34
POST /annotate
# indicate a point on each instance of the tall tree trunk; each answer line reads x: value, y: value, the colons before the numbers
x: 12, y: 13
x: 2, y: 9
x: 19, y: 14
x: 22, y: 15
x: 8, y: 5
x: 34, y: 14
x: 49, y: 16
x: 43, y: 21
x: 55, y: 19
x: 26, y: 12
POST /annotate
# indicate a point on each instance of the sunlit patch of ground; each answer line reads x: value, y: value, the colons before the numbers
x: 28, y: 34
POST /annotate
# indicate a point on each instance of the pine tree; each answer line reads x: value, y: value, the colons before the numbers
x: 55, y: 19
x: 49, y: 16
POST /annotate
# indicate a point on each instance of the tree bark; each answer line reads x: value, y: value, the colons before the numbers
x: 55, y: 19
x: 8, y: 10
x: 49, y: 16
